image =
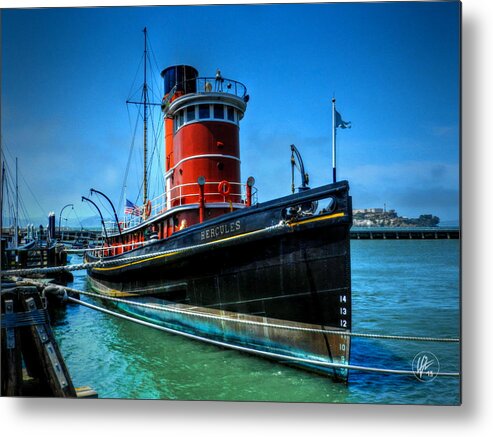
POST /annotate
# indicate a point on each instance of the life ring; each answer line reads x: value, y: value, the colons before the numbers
x: 224, y: 188
x: 147, y: 209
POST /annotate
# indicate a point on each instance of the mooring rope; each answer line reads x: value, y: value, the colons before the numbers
x: 101, y: 263
x: 253, y: 322
x: 27, y: 318
x: 256, y: 351
x: 94, y: 249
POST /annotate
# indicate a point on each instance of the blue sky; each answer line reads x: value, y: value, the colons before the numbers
x: 393, y: 67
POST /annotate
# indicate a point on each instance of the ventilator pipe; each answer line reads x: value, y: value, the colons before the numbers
x: 250, y: 183
x: 201, y: 182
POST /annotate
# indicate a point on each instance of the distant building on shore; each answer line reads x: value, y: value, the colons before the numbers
x: 372, y: 210
x: 380, y: 217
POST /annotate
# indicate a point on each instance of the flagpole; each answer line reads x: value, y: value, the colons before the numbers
x: 334, y: 139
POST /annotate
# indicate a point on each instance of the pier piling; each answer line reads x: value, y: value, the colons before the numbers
x: 27, y: 336
x: 11, y: 348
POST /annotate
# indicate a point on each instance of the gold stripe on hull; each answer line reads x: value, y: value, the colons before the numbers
x: 306, y: 221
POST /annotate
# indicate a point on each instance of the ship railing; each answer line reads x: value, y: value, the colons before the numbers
x: 220, y: 85
x: 181, y: 195
x: 204, y: 85
x: 186, y: 194
x: 111, y: 226
x: 103, y: 249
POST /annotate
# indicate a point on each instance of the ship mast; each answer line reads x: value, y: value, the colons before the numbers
x: 16, y: 227
x: 1, y: 194
x: 145, y: 115
x: 146, y: 103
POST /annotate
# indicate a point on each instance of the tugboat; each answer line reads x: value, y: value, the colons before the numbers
x: 271, y: 278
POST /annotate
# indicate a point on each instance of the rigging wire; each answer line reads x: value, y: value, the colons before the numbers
x: 154, y: 76
x: 10, y: 194
x: 32, y: 194
x: 139, y: 185
x: 67, y: 217
x: 130, y: 95
x: 155, y: 150
x: 124, y: 184
x: 10, y: 207
x: 160, y: 169
x: 78, y: 219
x: 129, y: 161
x: 23, y: 212
x: 151, y: 87
x: 24, y: 180
x: 105, y: 206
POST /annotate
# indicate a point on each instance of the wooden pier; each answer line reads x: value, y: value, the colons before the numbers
x: 72, y: 235
x: 31, y: 361
x: 37, y: 255
x: 404, y: 233
x: 64, y: 235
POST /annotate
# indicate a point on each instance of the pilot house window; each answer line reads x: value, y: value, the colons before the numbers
x: 204, y: 111
x: 219, y: 111
x: 190, y: 113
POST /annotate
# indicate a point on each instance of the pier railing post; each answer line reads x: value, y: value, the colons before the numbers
x: 11, y: 348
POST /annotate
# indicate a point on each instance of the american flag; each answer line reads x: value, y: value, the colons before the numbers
x: 131, y: 208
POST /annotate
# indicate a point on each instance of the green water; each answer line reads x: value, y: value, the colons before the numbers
x: 399, y: 287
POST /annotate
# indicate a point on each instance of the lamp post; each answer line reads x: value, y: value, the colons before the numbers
x: 60, y: 219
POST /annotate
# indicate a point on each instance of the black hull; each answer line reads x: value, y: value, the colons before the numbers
x: 254, y: 265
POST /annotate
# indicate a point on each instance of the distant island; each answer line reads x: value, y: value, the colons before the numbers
x: 379, y: 217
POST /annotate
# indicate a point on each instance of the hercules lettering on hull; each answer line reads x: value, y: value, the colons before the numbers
x: 220, y: 230
x: 271, y: 277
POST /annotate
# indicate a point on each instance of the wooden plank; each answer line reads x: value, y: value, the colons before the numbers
x: 86, y: 392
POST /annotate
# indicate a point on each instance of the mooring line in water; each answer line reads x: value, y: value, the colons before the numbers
x: 261, y: 324
x: 255, y: 351
x: 139, y: 258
